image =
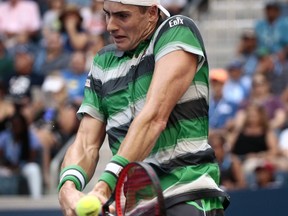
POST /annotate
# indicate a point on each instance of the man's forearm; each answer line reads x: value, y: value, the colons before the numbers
x: 141, y: 138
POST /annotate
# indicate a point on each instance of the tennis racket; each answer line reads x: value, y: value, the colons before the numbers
x: 137, y: 192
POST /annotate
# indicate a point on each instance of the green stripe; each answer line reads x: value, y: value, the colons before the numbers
x: 202, y: 75
x: 172, y: 36
x: 141, y: 87
x: 122, y: 98
x: 208, y: 204
x: 120, y: 160
x: 93, y: 100
x: 109, y: 178
x: 189, y: 174
x: 120, y: 101
x: 74, y: 179
x: 185, y: 129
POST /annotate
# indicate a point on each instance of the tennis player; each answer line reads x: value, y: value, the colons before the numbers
x: 149, y: 93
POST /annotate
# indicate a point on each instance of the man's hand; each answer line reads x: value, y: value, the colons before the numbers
x: 68, y: 198
x: 102, y: 192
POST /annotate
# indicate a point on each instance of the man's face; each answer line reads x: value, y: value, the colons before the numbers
x: 126, y: 24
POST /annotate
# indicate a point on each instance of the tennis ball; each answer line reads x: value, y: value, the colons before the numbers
x: 88, y: 206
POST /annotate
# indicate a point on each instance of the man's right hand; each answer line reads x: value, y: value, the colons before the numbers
x: 68, y: 198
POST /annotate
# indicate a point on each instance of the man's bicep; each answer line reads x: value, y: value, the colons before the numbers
x: 91, y: 131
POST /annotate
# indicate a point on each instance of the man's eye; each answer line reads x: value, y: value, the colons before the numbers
x: 123, y: 16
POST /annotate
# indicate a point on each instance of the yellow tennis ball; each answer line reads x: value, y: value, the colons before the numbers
x: 88, y: 206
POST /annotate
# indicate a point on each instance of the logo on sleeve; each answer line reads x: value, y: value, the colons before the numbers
x: 88, y: 83
x: 176, y: 21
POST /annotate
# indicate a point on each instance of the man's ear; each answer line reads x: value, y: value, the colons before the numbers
x: 153, y: 13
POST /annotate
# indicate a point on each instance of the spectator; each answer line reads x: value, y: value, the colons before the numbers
x: 284, y: 100
x: 6, y: 62
x: 275, y: 69
x: 7, y: 108
x: 51, y: 17
x: 254, y: 140
x: 55, y: 90
x: 75, y: 37
x: 19, y: 17
x: 271, y: 31
x: 283, y: 142
x: 94, y: 18
x: 24, y: 79
x: 58, y: 123
x: 246, y: 51
x: 52, y: 55
x: 265, y: 176
x: 237, y: 87
x: 19, y: 151
x: 75, y: 77
x: 261, y: 94
x: 221, y: 111
x: 43, y: 5
x: 232, y: 176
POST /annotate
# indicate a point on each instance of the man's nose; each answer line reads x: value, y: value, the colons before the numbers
x: 111, y: 24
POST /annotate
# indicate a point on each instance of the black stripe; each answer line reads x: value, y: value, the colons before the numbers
x: 196, y: 196
x: 115, y: 133
x: 116, y: 162
x: 188, y: 159
x: 108, y: 171
x: 95, y: 85
x: 146, y: 66
x: 189, y: 110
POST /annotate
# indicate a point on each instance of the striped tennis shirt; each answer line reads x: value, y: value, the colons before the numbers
x: 115, y: 93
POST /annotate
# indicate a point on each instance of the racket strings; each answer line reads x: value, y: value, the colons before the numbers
x: 139, y: 196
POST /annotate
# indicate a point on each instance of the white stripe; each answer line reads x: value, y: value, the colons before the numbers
x: 92, y: 111
x: 177, y: 45
x: 124, y: 117
x: 203, y: 182
x: 181, y: 148
x: 120, y: 71
x: 96, y: 72
x: 139, y: 105
x: 76, y: 173
x: 114, y: 168
x: 121, y: 118
x: 195, y: 92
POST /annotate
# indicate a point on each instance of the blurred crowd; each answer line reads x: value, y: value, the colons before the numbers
x: 46, y: 50
x: 249, y: 106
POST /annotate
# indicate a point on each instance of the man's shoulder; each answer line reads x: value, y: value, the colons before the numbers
x: 177, y: 20
x: 172, y: 24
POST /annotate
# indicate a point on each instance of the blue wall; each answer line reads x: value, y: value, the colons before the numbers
x: 266, y: 202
